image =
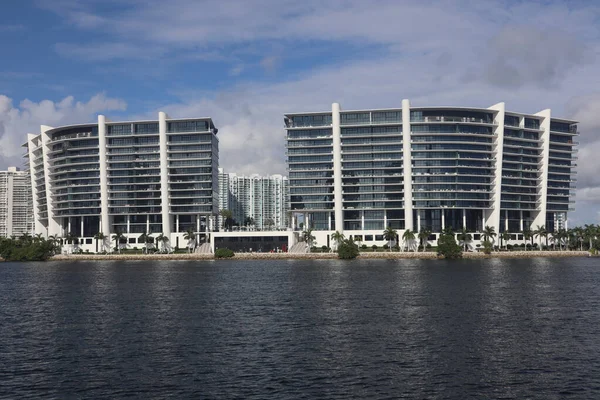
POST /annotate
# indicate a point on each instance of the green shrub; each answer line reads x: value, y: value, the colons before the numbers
x: 224, y: 253
x: 487, y: 247
x: 364, y: 247
x: 385, y: 246
x: 347, y: 250
x: 448, y: 248
x: 324, y: 248
x: 374, y: 247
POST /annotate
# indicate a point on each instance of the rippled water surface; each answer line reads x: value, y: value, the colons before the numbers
x: 325, y: 329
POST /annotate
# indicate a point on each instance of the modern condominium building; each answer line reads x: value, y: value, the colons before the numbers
x: 132, y: 177
x: 15, y: 203
x: 359, y: 172
x: 265, y: 199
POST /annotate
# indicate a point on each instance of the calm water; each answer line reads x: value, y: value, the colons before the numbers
x: 295, y: 329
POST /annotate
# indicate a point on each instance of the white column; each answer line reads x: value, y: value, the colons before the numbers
x: 147, y: 223
x: 493, y: 215
x: 164, y: 174
x: 407, y: 165
x: 82, y: 217
x: 362, y: 220
x: 54, y: 228
x: 329, y: 221
x: 104, y: 219
x: 540, y: 218
x: 521, y: 220
x: 443, y: 220
x: 464, y: 218
x: 198, y: 223
x: 69, y: 225
x: 177, y: 223
x: 418, y: 222
x: 506, y: 220
x: 31, y: 146
x: 128, y: 223
x: 337, y: 167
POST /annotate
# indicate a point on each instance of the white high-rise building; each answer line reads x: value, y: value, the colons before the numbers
x: 15, y: 203
x: 157, y: 177
x: 359, y: 172
x: 262, y: 198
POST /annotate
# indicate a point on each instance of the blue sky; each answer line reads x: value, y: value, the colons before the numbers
x: 245, y: 63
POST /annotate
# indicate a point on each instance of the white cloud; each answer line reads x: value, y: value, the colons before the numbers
x: 17, y: 121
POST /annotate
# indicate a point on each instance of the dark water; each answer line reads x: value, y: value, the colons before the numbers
x: 511, y: 329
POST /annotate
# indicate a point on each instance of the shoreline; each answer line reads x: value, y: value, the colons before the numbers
x: 313, y: 256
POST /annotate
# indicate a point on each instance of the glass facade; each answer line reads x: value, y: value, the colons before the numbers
x: 132, y: 160
x: 468, y: 168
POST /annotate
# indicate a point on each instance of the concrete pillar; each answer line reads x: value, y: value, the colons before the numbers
x: 464, y: 218
x: 521, y: 221
x: 147, y: 223
x: 198, y: 223
x: 82, y: 235
x: 104, y: 218
x: 164, y: 174
x: 407, y: 165
x: 329, y: 221
x: 362, y: 220
x: 506, y: 220
x: 177, y: 223
x: 540, y: 218
x: 128, y: 223
x: 418, y: 222
x: 493, y: 219
x: 337, y: 167
x: 443, y: 220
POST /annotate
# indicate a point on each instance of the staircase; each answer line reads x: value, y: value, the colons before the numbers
x: 204, y: 248
x: 299, y: 248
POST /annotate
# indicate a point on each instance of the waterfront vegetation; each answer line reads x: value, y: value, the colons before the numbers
x: 224, y: 253
x: 27, y: 248
x: 449, y: 244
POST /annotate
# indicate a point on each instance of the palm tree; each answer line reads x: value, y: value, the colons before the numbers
x: 580, y: 236
x: 424, y: 233
x: 248, y: 221
x: 117, y: 238
x: 390, y: 234
x: 465, y: 237
x: 38, y: 238
x: 227, y: 215
x: 99, y: 236
x: 269, y: 223
x: 308, y: 237
x: 55, y: 240
x: 590, y: 232
x: 146, y: 238
x: 408, y: 236
x: 337, y: 237
x: 162, y: 239
x: 488, y: 234
x: 190, y: 236
x: 540, y: 231
x: 26, y: 238
x: 505, y: 237
x: 528, y: 235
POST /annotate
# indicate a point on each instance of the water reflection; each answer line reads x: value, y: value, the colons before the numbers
x: 326, y: 329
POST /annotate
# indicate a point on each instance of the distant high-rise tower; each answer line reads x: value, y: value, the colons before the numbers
x: 16, y: 213
x: 262, y: 198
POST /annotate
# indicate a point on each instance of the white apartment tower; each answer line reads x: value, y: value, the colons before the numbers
x: 358, y: 172
x: 134, y: 177
x: 15, y: 203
